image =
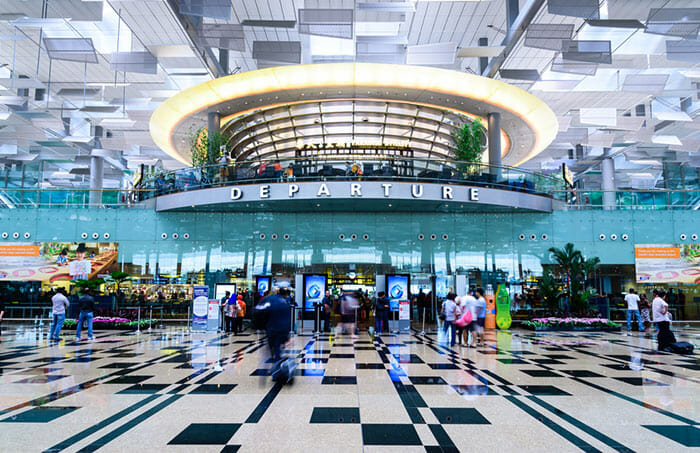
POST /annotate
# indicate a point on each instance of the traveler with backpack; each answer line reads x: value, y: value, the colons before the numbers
x: 659, y: 309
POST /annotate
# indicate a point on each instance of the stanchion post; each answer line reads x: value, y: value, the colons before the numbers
x: 150, y: 317
x: 188, y: 319
x: 422, y: 332
x: 318, y: 319
x: 138, y: 322
x: 291, y: 320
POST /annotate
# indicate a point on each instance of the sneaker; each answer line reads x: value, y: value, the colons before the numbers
x: 91, y: 338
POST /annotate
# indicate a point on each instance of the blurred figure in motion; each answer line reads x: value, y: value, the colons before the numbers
x: 348, y: 305
x: 274, y: 313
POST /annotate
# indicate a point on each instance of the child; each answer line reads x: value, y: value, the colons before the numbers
x: 62, y: 259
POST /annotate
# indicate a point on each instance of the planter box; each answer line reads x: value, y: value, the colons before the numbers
x: 572, y: 328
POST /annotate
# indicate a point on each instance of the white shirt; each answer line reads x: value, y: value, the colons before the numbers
x: 657, y: 309
x: 632, y: 301
x: 450, y: 309
x: 59, y: 304
x: 470, y: 304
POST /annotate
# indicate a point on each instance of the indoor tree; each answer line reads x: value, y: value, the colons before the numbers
x: 469, y: 142
x: 575, y: 269
x: 200, y: 144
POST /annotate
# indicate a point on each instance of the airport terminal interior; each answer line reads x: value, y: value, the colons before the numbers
x: 349, y: 225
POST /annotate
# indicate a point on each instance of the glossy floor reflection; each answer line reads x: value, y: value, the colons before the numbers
x: 172, y: 390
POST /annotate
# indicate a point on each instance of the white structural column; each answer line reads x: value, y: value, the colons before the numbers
x: 607, y: 183
x: 96, y: 180
x: 494, y: 120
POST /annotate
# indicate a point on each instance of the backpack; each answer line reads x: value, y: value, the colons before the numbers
x: 680, y: 347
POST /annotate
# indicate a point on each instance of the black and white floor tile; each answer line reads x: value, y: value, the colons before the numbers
x: 174, y: 390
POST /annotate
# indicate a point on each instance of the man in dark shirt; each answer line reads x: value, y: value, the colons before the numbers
x: 277, y: 326
x: 326, y: 307
x: 381, y: 312
x: 87, y: 306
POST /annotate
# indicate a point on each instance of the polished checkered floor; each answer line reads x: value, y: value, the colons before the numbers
x: 171, y: 390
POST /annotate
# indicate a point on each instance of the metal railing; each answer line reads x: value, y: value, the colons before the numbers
x: 352, y: 168
x: 657, y: 199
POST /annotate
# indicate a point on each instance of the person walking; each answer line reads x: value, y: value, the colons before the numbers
x: 59, y: 303
x: 277, y: 313
x: 449, y: 309
x: 632, y: 300
x: 240, y: 314
x: 87, y: 307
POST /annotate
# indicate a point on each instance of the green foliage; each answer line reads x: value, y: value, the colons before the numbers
x: 200, y: 144
x: 576, y: 269
x: 469, y: 141
x: 94, y: 284
x: 549, y: 290
x: 119, y: 276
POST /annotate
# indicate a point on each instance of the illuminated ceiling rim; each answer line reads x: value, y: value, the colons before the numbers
x: 497, y: 95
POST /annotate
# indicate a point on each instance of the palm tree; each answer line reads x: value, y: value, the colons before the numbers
x: 577, y: 269
x: 566, y: 259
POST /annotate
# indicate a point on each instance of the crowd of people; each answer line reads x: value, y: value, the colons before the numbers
x: 464, y: 318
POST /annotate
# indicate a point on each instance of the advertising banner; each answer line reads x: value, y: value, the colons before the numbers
x: 56, y: 261
x: 667, y: 263
x: 314, y: 290
x: 404, y: 310
x: 441, y: 287
x: 221, y: 289
x: 200, y: 307
x: 397, y: 290
x: 263, y: 284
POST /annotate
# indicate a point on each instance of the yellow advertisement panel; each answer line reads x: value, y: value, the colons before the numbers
x: 667, y: 263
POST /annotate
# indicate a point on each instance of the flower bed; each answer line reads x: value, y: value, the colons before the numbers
x: 101, y: 322
x: 549, y: 324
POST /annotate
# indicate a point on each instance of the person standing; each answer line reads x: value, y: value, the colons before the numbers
x: 480, y: 315
x: 240, y: 314
x: 223, y: 305
x: 449, y: 309
x: 381, y: 312
x: 659, y: 309
x: 59, y: 303
x: 2, y: 312
x: 632, y: 300
x: 327, y: 305
x: 469, y: 302
x: 644, y: 310
x: 87, y: 307
x: 229, y: 314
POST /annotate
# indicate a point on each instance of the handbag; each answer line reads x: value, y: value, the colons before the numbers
x: 442, y: 316
x: 465, y: 319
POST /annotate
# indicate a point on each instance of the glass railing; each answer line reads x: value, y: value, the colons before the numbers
x: 72, y: 198
x: 368, y: 168
x: 658, y: 199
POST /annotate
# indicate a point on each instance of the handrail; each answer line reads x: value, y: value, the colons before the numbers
x: 626, y: 199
